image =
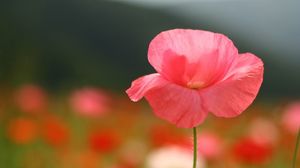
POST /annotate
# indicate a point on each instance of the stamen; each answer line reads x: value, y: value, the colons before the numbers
x: 195, y: 85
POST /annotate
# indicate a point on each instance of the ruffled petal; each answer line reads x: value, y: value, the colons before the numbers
x: 178, y: 105
x: 195, y: 56
x: 143, y: 84
x: 237, y: 90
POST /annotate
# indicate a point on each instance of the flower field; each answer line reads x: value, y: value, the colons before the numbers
x: 95, y: 128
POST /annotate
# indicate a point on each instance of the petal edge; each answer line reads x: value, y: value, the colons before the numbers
x: 142, y: 85
x: 238, y: 90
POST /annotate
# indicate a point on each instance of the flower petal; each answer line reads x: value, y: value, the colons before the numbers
x: 178, y: 105
x: 183, y: 55
x: 143, y: 84
x: 237, y: 90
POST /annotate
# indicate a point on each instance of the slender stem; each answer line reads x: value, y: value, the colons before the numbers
x: 296, y: 149
x: 195, y: 147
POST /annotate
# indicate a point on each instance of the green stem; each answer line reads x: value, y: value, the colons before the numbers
x: 296, y: 149
x: 195, y: 147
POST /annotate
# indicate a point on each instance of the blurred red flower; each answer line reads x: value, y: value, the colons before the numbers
x: 90, y: 102
x: 31, y: 99
x: 22, y: 130
x: 104, y: 140
x: 55, y: 132
x: 249, y: 151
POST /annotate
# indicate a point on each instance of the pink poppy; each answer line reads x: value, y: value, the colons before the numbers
x: 210, y: 145
x: 263, y: 131
x: 31, y: 99
x: 90, y: 102
x: 291, y: 117
x: 198, y: 72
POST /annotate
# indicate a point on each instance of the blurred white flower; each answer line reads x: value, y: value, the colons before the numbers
x: 172, y: 157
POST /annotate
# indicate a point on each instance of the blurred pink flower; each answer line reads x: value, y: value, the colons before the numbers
x: 263, y: 131
x: 31, y: 99
x: 210, y: 145
x: 198, y: 71
x: 90, y: 102
x: 291, y: 117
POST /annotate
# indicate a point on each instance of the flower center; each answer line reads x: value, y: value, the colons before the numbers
x: 195, y: 85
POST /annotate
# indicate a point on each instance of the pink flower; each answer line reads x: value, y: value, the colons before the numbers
x: 209, y: 145
x: 291, y: 117
x: 263, y: 131
x: 90, y: 102
x: 198, y: 72
x: 31, y: 99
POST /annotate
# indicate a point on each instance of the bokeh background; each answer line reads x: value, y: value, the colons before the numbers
x: 65, y: 64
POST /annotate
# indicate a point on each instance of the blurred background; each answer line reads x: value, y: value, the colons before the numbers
x: 65, y: 66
